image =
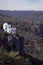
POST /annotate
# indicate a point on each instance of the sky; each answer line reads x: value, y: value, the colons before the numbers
x: 21, y: 4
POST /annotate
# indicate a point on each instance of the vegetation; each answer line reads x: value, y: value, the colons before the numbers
x: 12, y: 57
x: 26, y: 46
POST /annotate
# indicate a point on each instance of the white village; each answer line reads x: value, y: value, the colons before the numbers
x: 8, y: 28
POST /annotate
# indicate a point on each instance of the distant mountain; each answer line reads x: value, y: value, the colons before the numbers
x: 14, y: 13
x: 24, y: 15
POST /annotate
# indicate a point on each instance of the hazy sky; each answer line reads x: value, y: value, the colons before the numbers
x: 21, y: 4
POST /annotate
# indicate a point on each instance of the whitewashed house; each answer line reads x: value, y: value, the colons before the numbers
x: 11, y: 30
x: 7, y: 28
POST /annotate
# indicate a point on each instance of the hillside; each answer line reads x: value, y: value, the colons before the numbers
x: 29, y: 32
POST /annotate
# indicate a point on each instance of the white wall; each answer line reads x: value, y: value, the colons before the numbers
x: 7, y: 28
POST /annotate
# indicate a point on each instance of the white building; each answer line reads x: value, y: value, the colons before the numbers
x: 7, y: 28
x: 11, y: 30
